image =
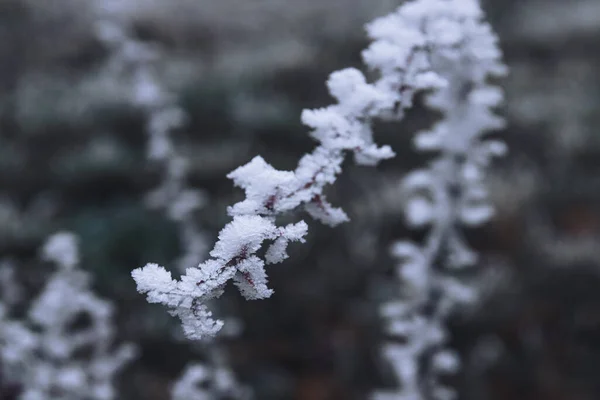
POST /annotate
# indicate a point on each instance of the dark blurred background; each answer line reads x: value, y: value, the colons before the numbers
x: 72, y: 156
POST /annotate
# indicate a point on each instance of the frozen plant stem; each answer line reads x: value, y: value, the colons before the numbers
x: 444, y: 197
x: 403, y: 54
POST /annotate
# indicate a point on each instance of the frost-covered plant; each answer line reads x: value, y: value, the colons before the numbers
x: 213, y: 380
x: 140, y: 61
x: 447, y: 195
x: 64, y: 347
x: 411, y: 52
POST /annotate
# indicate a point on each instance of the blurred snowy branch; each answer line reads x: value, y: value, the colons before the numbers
x: 63, y: 348
x: 446, y: 196
x: 140, y: 61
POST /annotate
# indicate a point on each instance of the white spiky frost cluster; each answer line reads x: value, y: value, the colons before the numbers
x: 139, y: 61
x: 447, y: 195
x: 47, y: 352
x: 405, y: 47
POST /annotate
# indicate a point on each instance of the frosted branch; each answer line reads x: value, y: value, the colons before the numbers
x: 405, y: 46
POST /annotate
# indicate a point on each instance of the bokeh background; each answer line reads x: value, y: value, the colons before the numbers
x: 73, y: 156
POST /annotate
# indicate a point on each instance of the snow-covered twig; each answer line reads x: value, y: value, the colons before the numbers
x: 405, y: 47
x: 446, y: 196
